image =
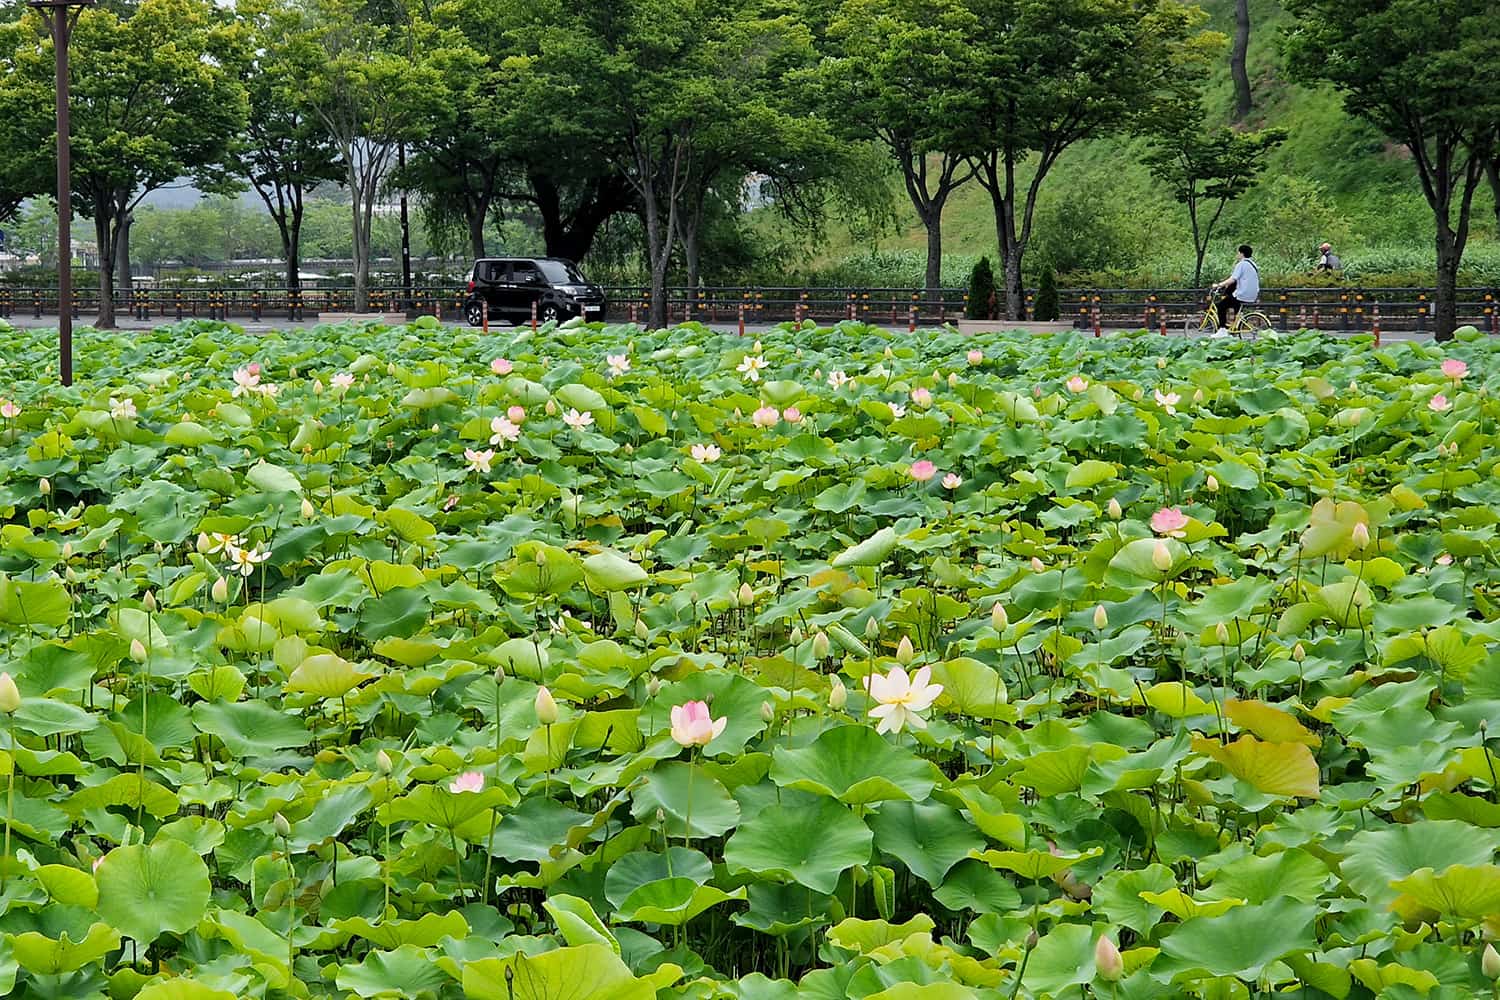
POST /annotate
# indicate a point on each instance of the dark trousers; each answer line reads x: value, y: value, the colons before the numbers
x: 1228, y: 307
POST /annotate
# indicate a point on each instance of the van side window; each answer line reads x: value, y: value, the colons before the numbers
x: 493, y: 271
x: 527, y: 273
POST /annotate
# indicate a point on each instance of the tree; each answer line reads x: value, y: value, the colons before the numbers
x: 1237, y: 54
x: 155, y: 99
x: 1047, y: 308
x: 284, y: 152
x: 368, y: 88
x: 898, y: 73
x: 1206, y: 169
x: 1047, y: 74
x: 981, y: 301
x: 1421, y: 71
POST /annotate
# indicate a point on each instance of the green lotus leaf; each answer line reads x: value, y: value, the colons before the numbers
x: 45, y: 956
x: 693, y: 803
x: 1463, y: 891
x: 578, y: 923
x: 811, y: 845
x: 272, y: 478
x: 582, y: 972
x: 929, y: 838
x: 326, y: 675
x: 871, y: 552
x: 407, y: 971
x: 423, y: 932
x: 609, y: 571
x: 1243, y: 941
x: 182, y: 989
x: 854, y: 765
x: 445, y: 809
x: 673, y: 901
x: 146, y: 891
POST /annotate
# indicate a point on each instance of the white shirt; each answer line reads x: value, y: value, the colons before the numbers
x: 1246, y: 281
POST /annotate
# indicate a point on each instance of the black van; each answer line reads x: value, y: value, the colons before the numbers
x: 512, y: 284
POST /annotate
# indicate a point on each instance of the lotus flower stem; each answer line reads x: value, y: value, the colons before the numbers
x: 458, y: 861
x: 489, y: 842
x: 10, y: 797
x: 385, y: 859
x: 687, y: 826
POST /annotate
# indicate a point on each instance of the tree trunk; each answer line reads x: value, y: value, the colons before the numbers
x: 1492, y: 170
x: 1015, y: 291
x: 360, y: 246
x: 692, y: 252
x: 476, y: 232
x: 103, y: 236
x: 291, y: 249
x: 933, y: 220
x: 122, y: 255
x: 658, y: 258
x: 1242, y: 101
x: 1449, y: 253
x: 572, y: 236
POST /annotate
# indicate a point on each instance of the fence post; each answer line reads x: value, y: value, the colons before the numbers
x: 1098, y: 329
x: 1344, y: 310
x: 742, y: 318
x: 1421, y: 312
x: 533, y: 316
x: 1285, y: 311
x: 1302, y: 317
x: 484, y: 314
x: 1375, y: 322
x: 36, y: 302
x: 911, y: 319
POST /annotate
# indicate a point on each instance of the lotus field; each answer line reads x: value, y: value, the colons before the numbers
x: 599, y: 664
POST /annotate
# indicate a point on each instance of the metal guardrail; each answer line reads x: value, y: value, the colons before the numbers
x: 1341, y: 308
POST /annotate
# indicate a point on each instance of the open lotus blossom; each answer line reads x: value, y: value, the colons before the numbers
x: 1444, y: 560
x: 341, y: 381
x: 503, y: 430
x: 952, y: 481
x: 469, y: 781
x: 1169, y: 521
x: 1168, y: 400
x: 1439, y: 403
x: 765, y: 416
x: 898, y: 410
x: 922, y: 396
x: 244, y: 561
x: 501, y: 366
x: 975, y: 356
x: 9, y: 410
x: 122, y: 409
x: 1455, y: 369
x: 479, y: 461
x: 516, y: 415
x: 922, y: 470
x: 837, y: 380
x: 246, y: 381
x: 1077, y: 384
x: 901, y: 697
x: 692, y: 727
x: 705, y: 453
x: 213, y: 542
x: 791, y: 415
x: 578, y: 421
x: 751, y: 367
x: 619, y: 364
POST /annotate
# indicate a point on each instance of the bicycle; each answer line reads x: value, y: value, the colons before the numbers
x: 1248, y: 323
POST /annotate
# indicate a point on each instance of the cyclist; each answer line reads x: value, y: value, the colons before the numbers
x: 1241, y: 288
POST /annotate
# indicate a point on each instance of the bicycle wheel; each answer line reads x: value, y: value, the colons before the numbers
x: 1197, y: 323
x: 1251, y: 325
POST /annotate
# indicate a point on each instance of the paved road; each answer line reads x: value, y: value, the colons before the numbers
x: 47, y: 322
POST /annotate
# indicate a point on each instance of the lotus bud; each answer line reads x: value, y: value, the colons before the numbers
x: 1037, y: 566
x: 317, y: 387
x: 67, y: 551
x: 767, y: 713
x: 10, y: 695
x: 307, y: 509
x: 1211, y: 484
x: 1198, y: 396
x: 820, y: 645
x: 1031, y: 940
x: 220, y: 590
x: 1138, y: 395
x: 149, y: 603
x: 796, y: 637
x: 546, y: 707
x: 1161, y: 362
x: 998, y: 618
x: 1114, y: 509
x: 283, y: 828
x: 550, y: 408
x: 205, y: 544
x: 838, y: 696
x: 661, y: 816
x: 1101, y: 617
x: 137, y: 651
x: 746, y: 595
x: 653, y: 687
x: 1361, y: 535
x: 757, y: 349
x: 1221, y: 634
x: 905, y: 653
x: 1298, y: 653
x: 953, y: 380
x: 872, y: 629
x: 1161, y: 556
x: 499, y: 675
x: 45, y: 486
x: 642, y: 633
x: 1108, y: 961
x: 541, y: 558
x: 383, y: 762
x: 1489, y: 962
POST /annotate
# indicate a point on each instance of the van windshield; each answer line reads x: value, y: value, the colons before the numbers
x: 560, y: 272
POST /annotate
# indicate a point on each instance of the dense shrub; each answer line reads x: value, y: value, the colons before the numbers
x: 981, y: 301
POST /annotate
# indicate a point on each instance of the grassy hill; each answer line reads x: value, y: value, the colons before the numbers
x: 1103, y: 218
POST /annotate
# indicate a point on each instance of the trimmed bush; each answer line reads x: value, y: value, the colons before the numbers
x: 981, y: 291
x: 1046, y: 297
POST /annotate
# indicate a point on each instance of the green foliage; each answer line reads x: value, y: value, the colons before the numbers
x: 981, y: 303
x: 1046, y: 306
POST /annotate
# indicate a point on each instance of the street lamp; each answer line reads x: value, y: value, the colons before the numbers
x: 60, y: 17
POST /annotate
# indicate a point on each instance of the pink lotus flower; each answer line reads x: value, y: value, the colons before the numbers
x: 1169, y: 521
x: 765, y: 416
x: 342, y: 381
x: 469, y: 781
x: 837, y: 380
x: 501, y: 366
x: 1439, y: 403
x: 952, y: 481
x: 1077, y: 384
x: 791, y: 415
x: 1445, y: 560
x: 1168, y: 400
x: 975, y: 356
x: 921, y: 396
x: 253, y: 368
x: 619, y: 364
x: 516, y: 415
x: 692, y: 727
x: 246, y: 380
x: 9, y: 410
x: 479, y: 461
x: 578, y: 421
x: 922, y: 470
x: 705, y: 453
x: 503, y: 430
x: 901, y: 697
x: 1455, y: 369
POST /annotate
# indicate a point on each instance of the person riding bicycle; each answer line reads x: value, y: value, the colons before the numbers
x: 1241, y: 288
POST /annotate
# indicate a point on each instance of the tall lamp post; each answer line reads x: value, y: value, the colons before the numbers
x: 60, y: 17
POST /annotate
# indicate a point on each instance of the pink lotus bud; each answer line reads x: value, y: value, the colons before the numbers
x: 1108, y: 961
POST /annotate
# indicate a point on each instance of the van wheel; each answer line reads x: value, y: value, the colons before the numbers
x: 549, y: 313
x: 473, y: 314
